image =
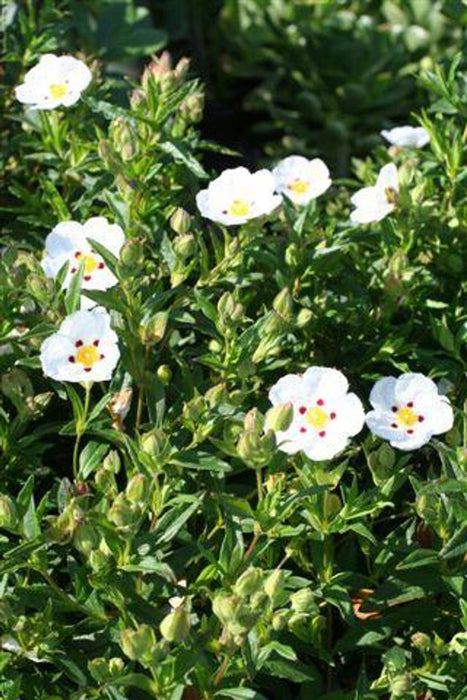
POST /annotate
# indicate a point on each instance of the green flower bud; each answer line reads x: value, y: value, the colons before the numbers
x: 138, y: 644
x: 249, y: 446
x: 112, y: 462
x: 8, y: 514
x: 292, y: 255
x: 216, y: 395
x: 185, y: 246
x: 280, y: 620
x: 249, y: 582
x: 303, y: 601
x: 122, y: 137
x: 225, y: 607
x: 123, y: 513
x: 137, y: 489
x: 192, y: 107
x: 226, y: 305
x: 86, y: 538
x: 99, y: 670
x: 155, y: 328
x: 131, y: 254
x: 268, y: 441
x: 65, y: 524
x: 254, y: 421
x: 332, y: 505
x: 215, y: 346
x: 283, y: 304
x: 274, y: 585
x: 154, y: 443
x: 421, y: 641
x: 180, y: 221
x: 176, y: 625
x: 193, y: 409
x: 279, y: 417
x: 164, y: 374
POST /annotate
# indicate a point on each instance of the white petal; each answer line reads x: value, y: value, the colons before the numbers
x: 324, y: 382
x: 382, y: 395
x: 387, y: 178
x: 442, y: 418
x: 351, y: 415
x: 414, y: 387
x: 87, y: 325
x: 111, y: 236
x: 288, y: 388
x: 54, y: 355
x: 325, y: 448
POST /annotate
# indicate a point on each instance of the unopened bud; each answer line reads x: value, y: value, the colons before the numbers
x: 137, y: 488
x: 8, y: 515
x: 154, y: 443
x: 193, y: 409
x: 155, y: 328
x: 279, y: 417
x: 112, y: 462
x: 217, y: 395
x: 164, y: 374
x: 86, y: 538
x: 249, y: 446
x: 249, y: 582
x: 283, y: 304
x: 225, y: 607
x: 274, y: 584
x: 176, y: 625
x: 180, y: 221
x: 123, y: 513
x: 131, y: 253
x: 185, y: 246
x: 303, y: 601
x: 192, y: 107
x: 123, y: 139
x: 254, y: 421
x: 226, y: 305
x: 421, y: 641
x: 304, y: 316
x: 138, y: 644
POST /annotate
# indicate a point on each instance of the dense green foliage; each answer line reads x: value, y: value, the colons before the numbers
x: 335, y: 580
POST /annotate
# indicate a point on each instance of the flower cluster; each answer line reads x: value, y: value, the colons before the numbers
x: 408, y: 411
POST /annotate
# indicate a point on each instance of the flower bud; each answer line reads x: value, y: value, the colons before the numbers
x: 192, y: 107
x: 137, y: 488
x: 176, y: 625
x: 279, y: 417
x: 274, y: 585
x: 112, y: 462
x: 249, y: 582
x: 304, y: 316
x: 86, y: 538
x: 421, y: 641
x: 154, y: 442
x: 292, y: 255
x: 193, y: 409
x: 268, y: 441
x: 283, y: 304
x: 185, y: 246
x: 164, y: 374
x: 280, y: 619
x: 303, y: 601
x: 225, y: 607
x: 123, y: 513
x: 131, y: 254
x: 136, y: 97
x: 65, y: 524
x: 138, y: 644
x: 226, y: 305
x: 155, y: 328
x: 119, y: 405
x: 180, y: 221
x: 254, y: 421
x: 8, y: 514
x: 158, y: 71
x: 216, y: 395
x: 123, y: 139
x: 249, y: 446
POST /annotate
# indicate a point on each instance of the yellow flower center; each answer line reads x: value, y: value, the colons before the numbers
x: 239, y: 208
x: 317, y: 417
x: 90, y: 262
x: 391, y: 195
x: 88, y: 355
x: 58, y: 90
x: 299, y: 186
x: 406, y: 417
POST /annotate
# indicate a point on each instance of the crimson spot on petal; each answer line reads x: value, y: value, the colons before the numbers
x: 322, y: 433
x: 394, y: 409
x: 303, y: 430
x: 96, y: 343
x: 101, y: 357
x: 410, y: 432
x: 410, y: 404
x: 332, y: 415
x: 101, y: 266
x: 86, y: 278
x: 302, y: 410
x: 393, y: 425
x: 78, y: 343
x: 87, y: 369
x: 421, y: 419
x: 71, y: 358
x: 320, y: 402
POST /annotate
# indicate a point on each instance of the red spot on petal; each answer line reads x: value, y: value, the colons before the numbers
x: 96, y: 343
x: 86, y: 278
x: 322, y: 433
x: 332, y: 415
x: 320, y: 402
x: 87, y: 369
x: 78, y: 343
x: 302, y: 410
x: 101, y: 357
x: 71, y: 358
x: 303, y: 430
x: 394, y: 425
x: 73, y: 269
x: 410, y: 404
x: 78, y: 254
x: 101, y: 266
x: 421, y: 419
x: 394, y: 409
x: 410, y: 432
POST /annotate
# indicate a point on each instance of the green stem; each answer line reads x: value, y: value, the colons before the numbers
x: 80, y: 429
x: 259, y: 485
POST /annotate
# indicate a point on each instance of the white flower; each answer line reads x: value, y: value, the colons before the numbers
x: 407, y: 136
x: 374, y: 203
x: 55, y: 81
x: 84, y: 348
x: 237, y: 196
x: 69, y: 242
x: 301, y: 179
x: 324, y: 414
x: 408, y: 411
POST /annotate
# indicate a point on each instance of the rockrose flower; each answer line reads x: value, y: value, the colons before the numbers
x: 408, y: 411
x: 301, y: 179
x: 55, y: 81
x: 407, y: 136
x: 83, y: 349
x: 374, y: 203
x: 69, y: 242
x: 324, y: 414
x: 237, y: 196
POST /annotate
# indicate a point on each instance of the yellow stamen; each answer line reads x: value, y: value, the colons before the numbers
x: 90, y: 262
x: 406, y: 417
x: 58, y: 90
x: 88, y: 355
x: 299, y: 186
x: 239, y: 208
x: 317, y: 417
